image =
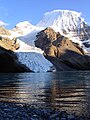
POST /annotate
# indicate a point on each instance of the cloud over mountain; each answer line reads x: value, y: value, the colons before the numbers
x: 3, y: 23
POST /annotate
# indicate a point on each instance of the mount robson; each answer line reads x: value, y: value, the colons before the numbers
x: 59, y: 42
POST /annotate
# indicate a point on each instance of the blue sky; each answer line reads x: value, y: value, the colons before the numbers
x: 14, y: 11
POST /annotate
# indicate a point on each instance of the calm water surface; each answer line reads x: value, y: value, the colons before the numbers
x: 62, y: 90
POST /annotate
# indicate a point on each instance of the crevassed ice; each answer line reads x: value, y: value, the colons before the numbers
x: 35, y: 61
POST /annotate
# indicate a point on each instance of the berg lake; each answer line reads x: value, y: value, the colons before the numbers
x: 68, y: 91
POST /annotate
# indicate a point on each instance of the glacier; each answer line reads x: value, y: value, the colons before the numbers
x: 35, y: 61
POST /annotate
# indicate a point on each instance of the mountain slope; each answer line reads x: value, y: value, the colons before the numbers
x: 61, y: 51
x: 68, y: 23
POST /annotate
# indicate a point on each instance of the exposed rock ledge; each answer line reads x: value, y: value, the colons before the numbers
x: 9, y: 44
x: 61, y: 51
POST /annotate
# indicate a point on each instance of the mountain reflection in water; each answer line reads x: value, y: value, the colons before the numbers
x: 68, y: 91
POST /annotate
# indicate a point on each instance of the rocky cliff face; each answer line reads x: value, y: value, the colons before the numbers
x: 61, y: 51
x: 9, y: 44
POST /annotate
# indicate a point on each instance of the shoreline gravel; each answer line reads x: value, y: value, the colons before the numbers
x: 13, y: 111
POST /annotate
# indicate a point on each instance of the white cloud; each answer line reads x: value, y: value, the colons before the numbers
x: 3, y: 23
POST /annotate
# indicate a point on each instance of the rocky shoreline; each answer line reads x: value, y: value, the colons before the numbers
x: 13, y: 111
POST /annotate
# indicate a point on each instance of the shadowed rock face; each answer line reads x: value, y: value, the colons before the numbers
x: 61, y: 51
x: 9, y: 62
x: 45, y: 38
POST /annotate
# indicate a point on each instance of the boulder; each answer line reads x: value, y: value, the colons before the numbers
x: 61, y: 51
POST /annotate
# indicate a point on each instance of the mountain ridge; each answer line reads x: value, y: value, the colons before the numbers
x: 69, y: 24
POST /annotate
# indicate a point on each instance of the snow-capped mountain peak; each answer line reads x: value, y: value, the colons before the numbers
x: 62, y: 20
x: 23, y: 28
x: 24, y: 24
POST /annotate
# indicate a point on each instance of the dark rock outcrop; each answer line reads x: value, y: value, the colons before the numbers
x: 61, y: 51
x: 9, y: 62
